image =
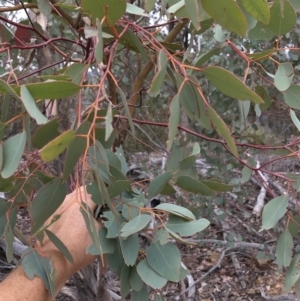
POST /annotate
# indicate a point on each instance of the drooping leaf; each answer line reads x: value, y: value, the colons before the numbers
x: 228, y: 14
x: 31, y: 106
x: 60, y: 245
x: 99, y: 162
x: 244, y: 109
x: 282, y: 21
x: 261, y: 91
x: 216, y: 186
x: 4, y: 206
x: 184, y: 227
x: 5, y: 88
x: 115, y: 260
x: 230, y: 85
x: 192, y: 185
x: 158, y: 184
x: 295, y: 119
x: 165, y: 260
x: 222, y: 129
x: 187, y: 162
x: 284, y: 76
x: 199, y: 61
x: 176, y: 210
x: 46, y: 133
x: 135, y: 280
x: 113, y: 10
x: 108, y: 122
x: 55, y: 147
x: 193, y: 9
x: 293, y: 225
x: 90, y: 223
x: 76, y: 71
x: 9, y: 239
x: 132, y: 41
x: 162, y: 62
x: 76, y: 148
x: 127, y: 112
x: 118, y: 187
x: 107, y: 244
x: 100, y: 136
x: 124, y: 279
x: 13, y: 149
x: 292, y: 274
x: 36, y: 265
x: 51, y: 89
x: 173, y: 121
x: 6, y: 98
x: 105, y: 196
x: 3, y: 222
x: 120, y: 154
x: 99, y: 47
x: 141, y: 295
x: 150, y: 276
x: 259, y: 56
x: 130, y: 248
x: 246, y: 174
x: 260, y: 32
x: 191, y: 100
x: 45, y: 203
x: 273, y: 212
x: 284, y: 248
x: 135, y: 225
x: 259, y: 9
x: 292, y: 97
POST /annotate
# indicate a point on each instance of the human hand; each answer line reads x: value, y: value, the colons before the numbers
x: 71, y: 229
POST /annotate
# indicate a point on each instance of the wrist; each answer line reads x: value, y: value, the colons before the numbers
x: 63, y: 269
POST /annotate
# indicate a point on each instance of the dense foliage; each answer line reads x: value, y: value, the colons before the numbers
x: 83, y: 83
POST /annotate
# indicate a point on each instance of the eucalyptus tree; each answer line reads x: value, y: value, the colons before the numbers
x: 78, y: 79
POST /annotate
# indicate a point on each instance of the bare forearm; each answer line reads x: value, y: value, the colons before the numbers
x: 71, y: 230
x: 17, y: 286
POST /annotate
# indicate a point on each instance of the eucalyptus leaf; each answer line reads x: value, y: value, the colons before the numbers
x: 177, y: 210
x: 135, y: 225
x: 284, y: 249
x: 130, y: 247
x: 230, y: 85
x: 150, y: 276
x: 162, y: 61
x: 273, y: 212
x: 228, y: 14
x: 184, y: 227
x: 45, y: 203
x: 13, y: 149
x: 158, y: 184
x: 165, y: 260
x: 55, y: 147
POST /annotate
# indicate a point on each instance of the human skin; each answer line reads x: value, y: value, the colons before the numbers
x: 71, y: 230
